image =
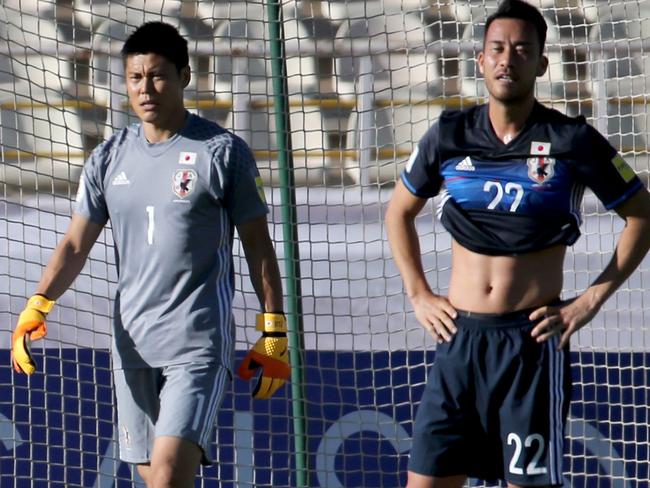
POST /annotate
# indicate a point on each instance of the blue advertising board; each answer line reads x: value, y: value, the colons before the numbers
x: 57, y: 430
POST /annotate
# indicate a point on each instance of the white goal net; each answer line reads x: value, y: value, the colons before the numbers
x: 365, y: 79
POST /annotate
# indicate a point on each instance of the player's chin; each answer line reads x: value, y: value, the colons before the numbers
x: 510, y: 95
x: 147, y: 115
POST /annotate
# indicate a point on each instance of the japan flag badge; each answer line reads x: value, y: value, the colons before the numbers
x: 540, y: 148
x: 187, y: 158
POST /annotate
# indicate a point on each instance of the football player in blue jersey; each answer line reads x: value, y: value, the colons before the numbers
x: 174, y: 186
x: 513, y: 173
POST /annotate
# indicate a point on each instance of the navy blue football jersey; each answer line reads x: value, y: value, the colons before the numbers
x: 522, y: 196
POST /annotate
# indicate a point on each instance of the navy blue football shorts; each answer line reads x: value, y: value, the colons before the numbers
x: 495, y: 404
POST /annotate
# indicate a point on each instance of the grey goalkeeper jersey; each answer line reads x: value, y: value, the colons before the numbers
x: 172, y: 206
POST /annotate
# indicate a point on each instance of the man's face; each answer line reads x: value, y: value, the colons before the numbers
x: 511, y: 61
x: 154, y: 87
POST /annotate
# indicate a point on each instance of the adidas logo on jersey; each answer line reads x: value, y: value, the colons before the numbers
x: 465, y: 165
x: 121, y: 179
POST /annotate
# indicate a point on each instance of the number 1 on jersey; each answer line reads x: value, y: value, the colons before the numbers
x: 150, y: 211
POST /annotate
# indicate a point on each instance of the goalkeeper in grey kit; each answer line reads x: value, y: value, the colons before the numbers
x: 174, y: 187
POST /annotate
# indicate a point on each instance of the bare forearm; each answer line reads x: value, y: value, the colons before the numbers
x: 262, y: 264
x: 265, y: 277
x: 405, y: 245
x: 633, y: 245
x: 69, y: 257
x: 64, y: 266
x: 434, y: 312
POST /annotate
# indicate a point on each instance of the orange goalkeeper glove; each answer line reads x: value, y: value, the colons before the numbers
x: 31, y: 326
x: 271, y: 353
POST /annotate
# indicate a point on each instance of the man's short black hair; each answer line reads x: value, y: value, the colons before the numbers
x: 158, y: 38
x: 518, y: 9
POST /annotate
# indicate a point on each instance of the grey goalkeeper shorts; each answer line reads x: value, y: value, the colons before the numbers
x: 180, y: 401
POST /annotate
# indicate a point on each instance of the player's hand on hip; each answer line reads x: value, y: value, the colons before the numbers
x: 31, y: 326
x: 270, y: 353
x: 563, y: 319
x: 436, y: 315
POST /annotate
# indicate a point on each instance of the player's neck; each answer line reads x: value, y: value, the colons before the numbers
x: 161, y: 130
x: 508, y: 119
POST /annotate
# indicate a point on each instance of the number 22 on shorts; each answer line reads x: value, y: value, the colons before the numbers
x: 532, y: 468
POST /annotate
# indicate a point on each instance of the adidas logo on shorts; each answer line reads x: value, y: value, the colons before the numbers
x: 465, y: 165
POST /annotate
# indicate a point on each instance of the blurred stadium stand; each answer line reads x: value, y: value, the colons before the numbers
x: 41, y: 131
x: 365, y: 78
x: 626, y: 82
x: 387, y: 83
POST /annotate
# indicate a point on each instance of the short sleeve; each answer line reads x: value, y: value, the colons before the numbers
x: 603, y: 170
x: 244, y: 193
x: 90, y: 201
x: 422, y: 172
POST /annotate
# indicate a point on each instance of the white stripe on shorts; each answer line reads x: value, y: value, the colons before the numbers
x: 556, y: 401
x: 218, y: 392
x: 225, y: 294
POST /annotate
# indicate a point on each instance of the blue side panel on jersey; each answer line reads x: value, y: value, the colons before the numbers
x: 506, y: 185
x: 55, y: 429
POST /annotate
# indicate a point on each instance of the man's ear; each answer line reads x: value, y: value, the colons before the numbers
x: 542, y: 66
x: 186, y: 76
x: 479, y: 61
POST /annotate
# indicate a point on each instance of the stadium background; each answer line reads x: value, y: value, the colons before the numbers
x: 364, y: 79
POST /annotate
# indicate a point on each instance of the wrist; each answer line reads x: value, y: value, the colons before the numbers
x: 40, y: 302
x: 595, y: 298
x: 417, y: 295
x: 271, y: 322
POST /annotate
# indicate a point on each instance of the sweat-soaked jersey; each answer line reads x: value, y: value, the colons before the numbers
x: 504, y: 199
x: 172, y: 206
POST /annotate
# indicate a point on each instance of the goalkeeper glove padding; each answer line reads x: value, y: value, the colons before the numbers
x: 31, y: 326
x: 271, y: 353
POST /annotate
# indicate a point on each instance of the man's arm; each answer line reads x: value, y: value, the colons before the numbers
x: 434, y: 312
x: 262, y: 263
x: 271, y: 351
x: 69, y: 257
x: 63, y: 267
x: 632, y: 246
